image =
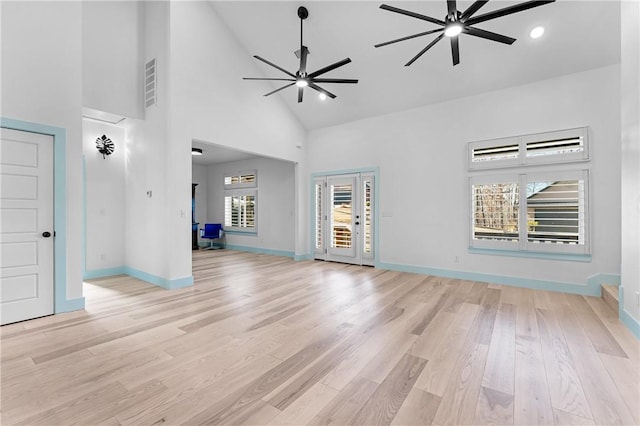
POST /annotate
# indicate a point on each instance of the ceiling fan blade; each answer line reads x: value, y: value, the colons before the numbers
x: 409, y: 37
x: 488, y: 35
x: 455, y: 50
x: 274, y: 65
x: 429, y: 46
x: 412, y: 14
x: 330, y: 67
x: 268, y: 79
x: 507, y: 11
x: 335, y: 80
x: 283, y: 87
x: 300, y: 93
x: 473, y: 9
x: 321, y: 90
x: 303, y: 60
x: 451, y: 8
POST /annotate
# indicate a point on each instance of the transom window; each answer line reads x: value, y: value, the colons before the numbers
x: 245, y: 179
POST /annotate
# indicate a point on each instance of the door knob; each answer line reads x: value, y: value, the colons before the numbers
x: 46, y: 234
x: 357, y: 223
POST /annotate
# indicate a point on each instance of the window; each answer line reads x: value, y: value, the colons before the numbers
x: 240, y: 211
x: 529, y: 150
x: 544, y: 209
x: 246, y: 179
x: 240, y: 203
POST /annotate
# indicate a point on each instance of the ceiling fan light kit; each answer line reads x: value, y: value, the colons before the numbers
x: 456, y: 23
x: 301, y: 79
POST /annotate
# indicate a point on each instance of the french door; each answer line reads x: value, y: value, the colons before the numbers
x: 344, y: 218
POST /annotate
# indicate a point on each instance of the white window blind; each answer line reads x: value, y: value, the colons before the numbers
x: 240, y: 212
x: 528, y: 150
x: 245, y: 179
x: 367, y: 183
x: 319, y: 209
x: 495, y: 153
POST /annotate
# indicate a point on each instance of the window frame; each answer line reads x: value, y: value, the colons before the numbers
x: 239, y: 174
x: 543, y: 168
x: 242, y: 229
x: 523, y: 244
x: 522, y: 158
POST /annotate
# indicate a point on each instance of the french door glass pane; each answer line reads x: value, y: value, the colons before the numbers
x: 318, y: 201
x: 367, y: 216
x: 341, y: 216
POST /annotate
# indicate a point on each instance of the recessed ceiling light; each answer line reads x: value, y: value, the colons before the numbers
x: 453, y: 30
x: 302, y: 83
x: 196, y: 151
x: 536, y: 32
x: 322, y: 96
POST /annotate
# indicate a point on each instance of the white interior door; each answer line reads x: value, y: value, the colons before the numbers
x: 344, y: 218
x: 26, y: 225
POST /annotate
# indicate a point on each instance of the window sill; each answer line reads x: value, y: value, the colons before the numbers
x: 239, y: 232
x: 571, y: 257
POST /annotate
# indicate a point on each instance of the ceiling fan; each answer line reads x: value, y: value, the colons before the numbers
x: 301, y: 78
x: 457, y: 22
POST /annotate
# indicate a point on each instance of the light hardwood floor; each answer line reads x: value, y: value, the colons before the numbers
x: 264, y: 340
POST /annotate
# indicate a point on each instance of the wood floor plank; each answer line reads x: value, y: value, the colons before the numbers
x: 562, y: 418
x: 419, y: 408
x: 626, y: 376
x: 346, y: 404
x: 458, y: 404
x: 627, y: 341
x: 532, y: 400
x: 493, y: 408
x: 443, y: 360
x: 304, y: 409
x: 599, y: 335
x: 499, y: 373
x: 564, y: 385
x: 386, y: 401
x: 76, y: 410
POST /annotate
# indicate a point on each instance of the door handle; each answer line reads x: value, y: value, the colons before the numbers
x: 46, y: 234
x: 357, y: 223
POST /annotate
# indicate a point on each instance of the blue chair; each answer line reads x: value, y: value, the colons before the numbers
x: 212, y: 231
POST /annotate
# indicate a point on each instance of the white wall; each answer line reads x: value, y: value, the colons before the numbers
x: 199, y: 176
x: 42, y: 83
x: 630, y: 98
x: 422, y: 158
x: 147, y: 239
x: 275, y: 212
x: 111, y: 73
x: 104, y: 188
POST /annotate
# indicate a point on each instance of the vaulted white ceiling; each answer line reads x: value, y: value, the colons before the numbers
x: 580, y: 35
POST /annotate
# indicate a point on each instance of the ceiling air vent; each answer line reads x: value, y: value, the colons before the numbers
x: 150, y: 83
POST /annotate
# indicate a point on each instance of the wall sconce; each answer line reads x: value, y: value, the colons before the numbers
x: 105, y: 146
